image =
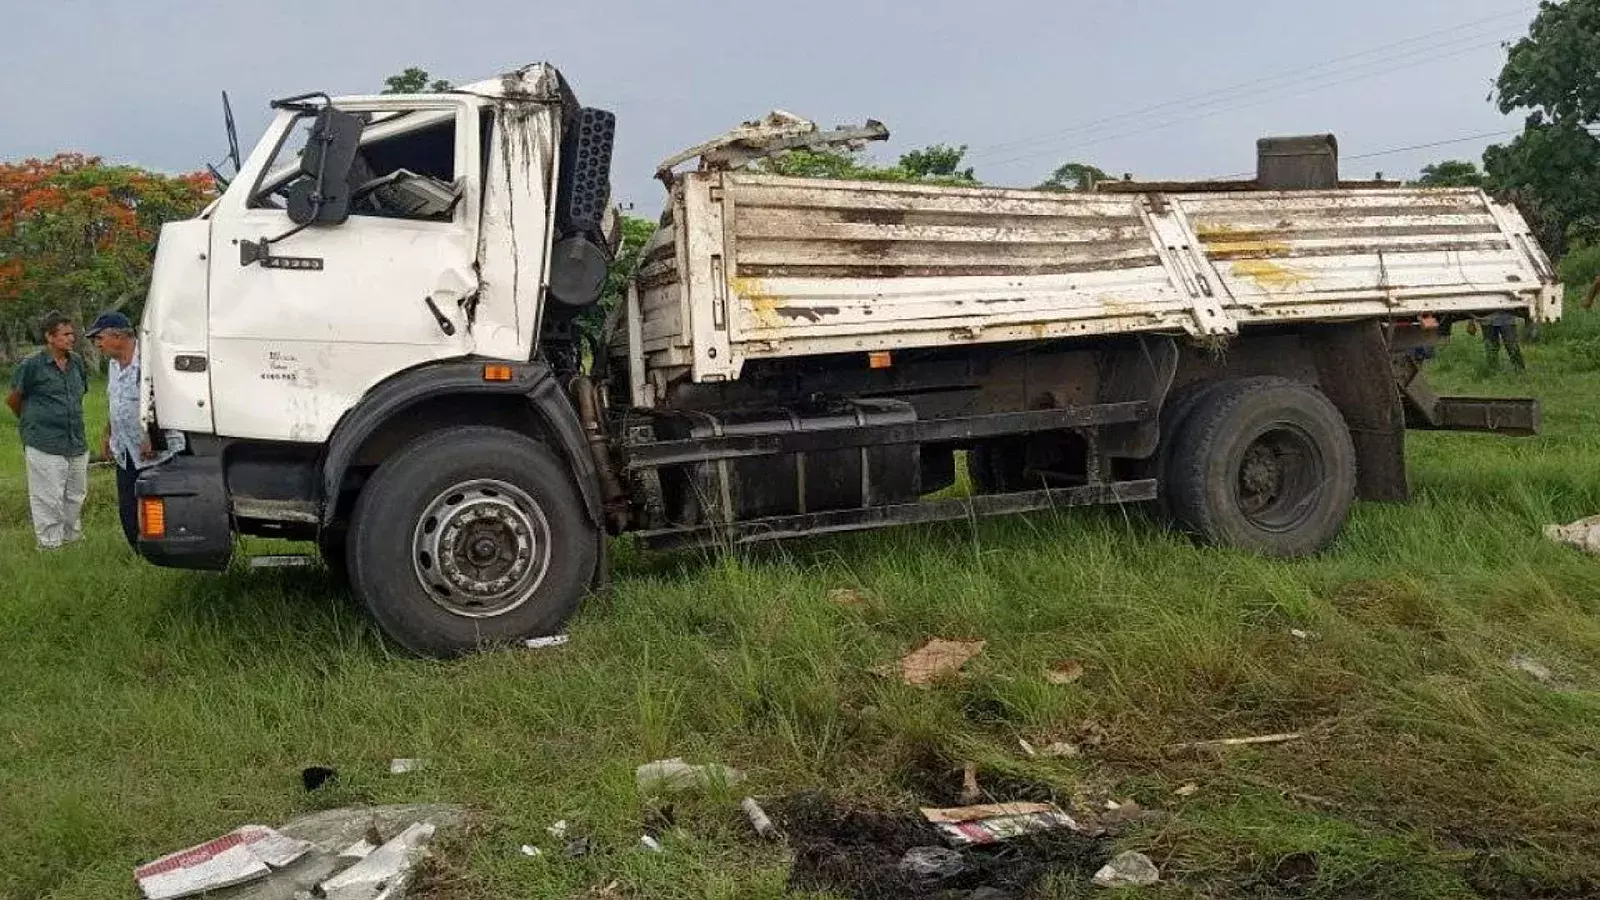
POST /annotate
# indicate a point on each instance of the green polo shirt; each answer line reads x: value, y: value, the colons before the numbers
x: 52, y: 403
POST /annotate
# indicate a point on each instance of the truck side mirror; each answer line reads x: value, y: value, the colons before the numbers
x: 322, y: 196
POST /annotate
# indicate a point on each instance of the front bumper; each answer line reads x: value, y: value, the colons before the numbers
x: 199, y: 532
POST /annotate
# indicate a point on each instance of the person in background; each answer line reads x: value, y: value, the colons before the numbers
x: 47, y: 398
x: 126, y: 441
x: 1501, y: 328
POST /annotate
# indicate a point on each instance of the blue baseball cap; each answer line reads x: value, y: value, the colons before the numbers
x: 109, y: 320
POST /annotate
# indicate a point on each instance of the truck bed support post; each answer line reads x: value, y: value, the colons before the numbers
x: 1354, y: 372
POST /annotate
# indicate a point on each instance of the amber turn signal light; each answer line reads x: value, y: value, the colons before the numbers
x: 152, y: 518
x: 496, y: 373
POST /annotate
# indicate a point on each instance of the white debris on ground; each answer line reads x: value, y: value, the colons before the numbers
x: 314, y: 855
x: 1583, y: 534
x: 1128, y: 869
x: 963, y: 826
x: 673, y: 775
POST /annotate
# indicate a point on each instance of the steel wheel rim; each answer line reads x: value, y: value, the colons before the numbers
x: 481, y: 548
x: 1280, y: 477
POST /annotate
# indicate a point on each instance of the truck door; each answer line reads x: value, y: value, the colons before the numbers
x: 297, y: 338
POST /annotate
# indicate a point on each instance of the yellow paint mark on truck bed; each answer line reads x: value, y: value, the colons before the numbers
x: 1270, y: 275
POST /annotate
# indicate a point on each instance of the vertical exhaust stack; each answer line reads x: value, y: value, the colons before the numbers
x: 1298, y: 163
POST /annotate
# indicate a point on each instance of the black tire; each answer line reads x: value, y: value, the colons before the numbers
x: 468, y: 538
x: 1175, y: 413
x: 1264, y: 464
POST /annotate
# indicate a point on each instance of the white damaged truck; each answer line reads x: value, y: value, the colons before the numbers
x: 370, y: 341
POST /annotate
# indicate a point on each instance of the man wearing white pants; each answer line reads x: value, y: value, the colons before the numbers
x: 47, y: 397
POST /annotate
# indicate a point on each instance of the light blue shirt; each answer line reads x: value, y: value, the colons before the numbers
x: 127, y: 425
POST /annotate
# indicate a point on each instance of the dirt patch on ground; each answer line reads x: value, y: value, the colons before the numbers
x: 856, y: 852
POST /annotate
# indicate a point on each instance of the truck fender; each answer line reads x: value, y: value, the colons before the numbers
x: 533, y: 380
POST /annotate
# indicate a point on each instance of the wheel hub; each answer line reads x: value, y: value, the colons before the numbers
x: 481, y: 548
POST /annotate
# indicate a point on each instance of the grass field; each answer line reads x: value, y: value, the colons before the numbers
x: 143, y: 710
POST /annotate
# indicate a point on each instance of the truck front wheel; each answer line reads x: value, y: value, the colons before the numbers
x: 1264, y: 464
x: 468, y: 538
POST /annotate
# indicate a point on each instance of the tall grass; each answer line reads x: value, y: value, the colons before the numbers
x: 142, y: 710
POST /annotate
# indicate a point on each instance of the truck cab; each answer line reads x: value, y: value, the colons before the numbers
x: 371, y: 254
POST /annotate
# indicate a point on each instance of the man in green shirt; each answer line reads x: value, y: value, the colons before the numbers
x: 47, y: 398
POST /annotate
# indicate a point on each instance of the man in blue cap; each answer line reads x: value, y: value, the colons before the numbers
x: 47, y: 398
x: 126, y: 441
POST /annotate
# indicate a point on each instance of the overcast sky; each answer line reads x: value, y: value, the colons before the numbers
x: 1151, y: 87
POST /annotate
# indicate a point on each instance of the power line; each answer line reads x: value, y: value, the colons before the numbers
x: 1263, y: 96
x: 1460, y: 140
x: 1301, y: 73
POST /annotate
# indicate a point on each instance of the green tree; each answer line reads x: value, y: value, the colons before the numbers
x: 936, y: 164
x: 1451, y: 173
x: 1073, y: 176
x: 414, y: 81
x: 1553, y: 168
x: 937, y: 161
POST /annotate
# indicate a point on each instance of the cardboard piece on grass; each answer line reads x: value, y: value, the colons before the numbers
x: 988, y: 823
x: 936, y: 659
x: 385, y: 873
x: 245, y: 854
x: 332, y: 834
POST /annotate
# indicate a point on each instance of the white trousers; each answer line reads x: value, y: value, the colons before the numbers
x: 56, y: 488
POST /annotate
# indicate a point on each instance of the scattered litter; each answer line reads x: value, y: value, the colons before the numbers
x: 966, y: 825
x: 847, y: 597
x: 540, y: 643
x: 1128, y: 869
x: 578, y: 847
x: 758, y: 818
x: 932, y: 863
x: 334, y: 837
x: 403, y: 766
x: 384, y: 873
x: 1531, y: 666
x: 282, y: 561
x: 1222, y: 743
x: 1583, y: 534
x: 1061, y: 750
x: 1027, y: 748
x: 843, y: 849
x: 969, y: 783
x: 650, y: 843
x: 531, y: 850
x: 1304, y: 635
x: 1188, y: 790
x: 244, y: 854
x: 935, y: 659
x: 313, y: 777
x: 1065, y: 672
x: 671, y: 775
x: 558, y: 829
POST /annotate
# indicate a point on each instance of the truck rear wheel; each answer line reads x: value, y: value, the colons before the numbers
x: 468, y: 538
x: 1263, y: 464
